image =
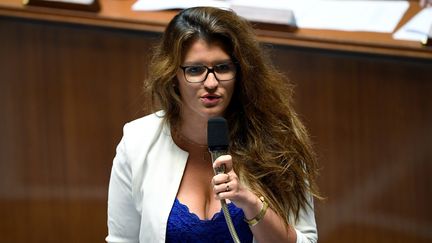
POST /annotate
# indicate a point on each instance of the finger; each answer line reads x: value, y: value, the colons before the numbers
x: 221, y: 178
x: 224, y: 195
x: 223, y: 160
x: 224, y: 187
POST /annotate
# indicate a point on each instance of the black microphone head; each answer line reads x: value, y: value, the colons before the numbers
x: 217, y: 134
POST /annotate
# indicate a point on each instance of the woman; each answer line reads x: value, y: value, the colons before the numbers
x: 162, y: 186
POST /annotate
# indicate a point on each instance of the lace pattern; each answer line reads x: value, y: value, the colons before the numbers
x: 184, y: 226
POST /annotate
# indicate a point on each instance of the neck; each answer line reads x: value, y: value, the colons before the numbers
x: 194, y: 130
x: 196, y: 133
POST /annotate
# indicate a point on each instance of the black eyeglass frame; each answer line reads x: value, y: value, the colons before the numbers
x: 209, y: 70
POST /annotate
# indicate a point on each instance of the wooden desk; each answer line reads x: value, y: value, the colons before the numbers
x: 70, y: 80
x: 118, y: 14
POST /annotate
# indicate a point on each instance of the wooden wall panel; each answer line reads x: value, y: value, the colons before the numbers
x: 370, y: 120
x: 65, y: 93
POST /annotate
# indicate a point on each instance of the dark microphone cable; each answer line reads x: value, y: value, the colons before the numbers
x: 217, y: 139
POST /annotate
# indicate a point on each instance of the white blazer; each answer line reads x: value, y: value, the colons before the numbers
x: 145, y: 177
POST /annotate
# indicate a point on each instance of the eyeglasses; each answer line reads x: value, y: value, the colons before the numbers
x: 199, y: 73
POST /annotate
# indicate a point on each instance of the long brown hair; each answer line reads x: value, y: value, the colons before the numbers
x: 271, y: 149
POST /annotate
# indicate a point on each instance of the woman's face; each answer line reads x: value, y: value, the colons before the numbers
x: 209, y: 98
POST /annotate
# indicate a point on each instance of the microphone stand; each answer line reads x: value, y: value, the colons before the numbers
x: 219, y: 170
x: 218, y: 141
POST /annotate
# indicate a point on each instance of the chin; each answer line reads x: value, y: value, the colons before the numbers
x: 209, y: 113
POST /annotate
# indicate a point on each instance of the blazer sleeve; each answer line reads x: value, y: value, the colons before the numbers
x: 123, y: 217
x: 305, y: 227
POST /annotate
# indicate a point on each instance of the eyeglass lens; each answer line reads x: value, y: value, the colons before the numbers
x: 222, y: 72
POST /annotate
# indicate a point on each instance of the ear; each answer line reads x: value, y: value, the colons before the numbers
x: 175, y: 81
x: 175, y: 84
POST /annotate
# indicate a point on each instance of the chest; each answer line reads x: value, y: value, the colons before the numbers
x: 196, y: 190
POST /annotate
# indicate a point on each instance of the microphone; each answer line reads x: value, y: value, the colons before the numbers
x: 217, y: 140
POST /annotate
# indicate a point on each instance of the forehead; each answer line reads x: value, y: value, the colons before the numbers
x: 205, y: 52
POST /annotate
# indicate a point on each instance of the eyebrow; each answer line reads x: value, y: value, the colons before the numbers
x: 199, y: 63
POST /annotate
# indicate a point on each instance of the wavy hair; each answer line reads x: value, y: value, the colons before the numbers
x: 269, y: 144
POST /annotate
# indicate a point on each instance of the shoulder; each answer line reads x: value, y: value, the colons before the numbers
x: 146, y: 122
x: 144, y: 129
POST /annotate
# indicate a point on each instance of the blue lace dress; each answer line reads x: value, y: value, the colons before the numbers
x: 184, y: 226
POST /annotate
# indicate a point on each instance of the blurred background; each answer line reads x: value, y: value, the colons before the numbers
x: 69, y: 80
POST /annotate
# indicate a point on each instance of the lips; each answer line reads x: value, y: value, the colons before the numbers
x: 210, y: 96
x: 210, y: 99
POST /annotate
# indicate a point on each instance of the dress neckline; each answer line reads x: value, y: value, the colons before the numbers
x: 215, y: 216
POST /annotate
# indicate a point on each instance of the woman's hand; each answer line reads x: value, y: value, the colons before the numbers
x: 228, y: 186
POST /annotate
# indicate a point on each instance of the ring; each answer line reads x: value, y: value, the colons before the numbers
x: 227, y: 187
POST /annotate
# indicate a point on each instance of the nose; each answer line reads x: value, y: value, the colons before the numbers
x: 211, y: 82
